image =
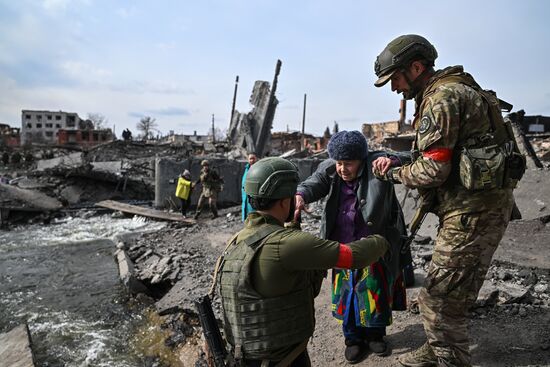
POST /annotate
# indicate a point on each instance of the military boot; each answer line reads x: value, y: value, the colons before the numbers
x: 197, y: 213
x: 421, y: 357
x: 214, y: 211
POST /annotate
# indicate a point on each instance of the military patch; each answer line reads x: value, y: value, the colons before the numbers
x: 425, y: 125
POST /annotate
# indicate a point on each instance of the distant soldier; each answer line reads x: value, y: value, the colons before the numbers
x: 127, y: 135
x: 465, y: 165
x: 212, y: 184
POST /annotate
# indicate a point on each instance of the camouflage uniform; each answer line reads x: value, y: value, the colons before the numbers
x: 472, y: 223
x: 211, y: 185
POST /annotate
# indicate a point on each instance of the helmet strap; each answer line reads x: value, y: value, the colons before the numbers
x: 292, y: 209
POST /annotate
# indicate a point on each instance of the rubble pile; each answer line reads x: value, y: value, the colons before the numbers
x: 541, y: 146
x: 179, y: 257
x: 507, y: 288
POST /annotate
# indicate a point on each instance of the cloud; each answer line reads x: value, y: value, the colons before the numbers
x: 80, y: 70
x: 166, y: 46
x: 125, y: 13
x: 167, y: 111
x: 155, y: 87
x: 170, y: 111
x: 54, y: 6
x: 136, y: 114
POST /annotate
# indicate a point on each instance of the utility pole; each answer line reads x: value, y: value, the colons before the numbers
x: 304, y: 121
x: 213, y: 131
x: 234, y: 99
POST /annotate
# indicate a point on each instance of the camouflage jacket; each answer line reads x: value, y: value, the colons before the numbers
x: 446, y: 118
x: 211, y: 180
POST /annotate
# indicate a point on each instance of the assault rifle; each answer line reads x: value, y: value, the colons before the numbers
x: 425, y: 207
x: 211, y: 331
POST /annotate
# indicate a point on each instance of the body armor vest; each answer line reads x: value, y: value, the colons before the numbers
x: 255, y: 325
x: 491, y: 160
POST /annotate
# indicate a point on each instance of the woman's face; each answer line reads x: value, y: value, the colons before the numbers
x: 348, y: 170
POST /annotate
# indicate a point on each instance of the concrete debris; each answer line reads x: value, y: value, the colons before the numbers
x: 15, y: 348
x: 67, y: 161
x: 251, y: 132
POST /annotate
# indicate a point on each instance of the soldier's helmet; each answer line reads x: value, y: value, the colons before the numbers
x: 205, y: 163
x: 399, y: 53
x: 272, y: 178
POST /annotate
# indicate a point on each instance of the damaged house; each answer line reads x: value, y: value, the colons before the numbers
x: 60, y: 128
x: 9, y: 136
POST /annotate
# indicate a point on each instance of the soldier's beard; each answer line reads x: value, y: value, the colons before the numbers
x: 291, y: 210
x: 410, y: 94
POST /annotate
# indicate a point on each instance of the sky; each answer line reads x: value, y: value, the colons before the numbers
x: 176, y: 61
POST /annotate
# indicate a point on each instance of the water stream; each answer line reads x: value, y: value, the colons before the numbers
x: 63, y: 281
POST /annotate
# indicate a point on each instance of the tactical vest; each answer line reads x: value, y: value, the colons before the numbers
x: 255, y: 325
x: 492, y: 160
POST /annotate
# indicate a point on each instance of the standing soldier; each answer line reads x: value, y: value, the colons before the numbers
x: 464, y: 162
x: 270, y: 274
x: 211, y: 185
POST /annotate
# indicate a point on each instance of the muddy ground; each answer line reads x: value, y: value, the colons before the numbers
x: 510, y: 326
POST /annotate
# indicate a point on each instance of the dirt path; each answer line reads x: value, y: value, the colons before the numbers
x: 510, y: 333
x: 498, y: 338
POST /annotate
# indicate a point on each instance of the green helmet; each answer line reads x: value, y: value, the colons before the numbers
x: 399, y: 53
x: 272, y: 178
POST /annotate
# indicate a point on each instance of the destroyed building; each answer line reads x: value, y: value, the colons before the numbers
x: 282, y: 142
x: 9, y: 136
x: 84, y: 138
x: 531, y: 124
x: 51, y: 128
x: 396, y: 135
x: 251, y: 131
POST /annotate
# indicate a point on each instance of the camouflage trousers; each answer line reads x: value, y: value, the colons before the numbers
x: 212, y: 197
x: 464, y: 247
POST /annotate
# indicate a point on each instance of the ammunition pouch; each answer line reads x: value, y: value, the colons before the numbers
x: 490, y: 167
x: 482, y: 168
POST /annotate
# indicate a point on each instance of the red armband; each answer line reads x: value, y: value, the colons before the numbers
x: 345, y: 257
x: 439, y: 154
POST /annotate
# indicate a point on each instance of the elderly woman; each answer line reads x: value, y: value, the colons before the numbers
x: 359, y: 205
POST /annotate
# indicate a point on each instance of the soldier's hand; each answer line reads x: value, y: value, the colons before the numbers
x: 380, y: 166
x: 300, y: 205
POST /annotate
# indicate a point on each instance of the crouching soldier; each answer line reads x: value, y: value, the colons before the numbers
x: 270, y: 274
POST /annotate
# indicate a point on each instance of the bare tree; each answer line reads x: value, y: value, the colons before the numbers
x: 99, y: 120
x: 147, y: 125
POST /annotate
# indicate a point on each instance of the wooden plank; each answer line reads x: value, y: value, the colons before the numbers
x: 145, y: 212
x: 15, y: 348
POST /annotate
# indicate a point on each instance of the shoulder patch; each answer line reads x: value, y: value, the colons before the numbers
x: 425, y: 124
